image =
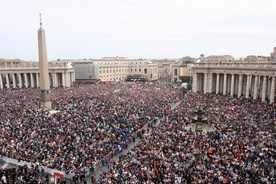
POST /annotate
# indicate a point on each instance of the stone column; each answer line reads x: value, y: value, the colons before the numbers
x: 67, y: 79
x: 224, y: 83
x: 205, y: 83
x: 268, y: 87
x: 247, y: 86
x: 54, y: 77
x: 217, y: 85
x: 14, y: 81
x: 232, y: 84
x: 73, y: 76
x: 32, y: 80
x: 1, y: 81
x: 210, y: 83
x: 19, y: 80
x: 256, y: 87
x: 195, y: 83
x: 264, y: 89
x: 26, y: 80
x: 272, y: 90
x: 240, y: 85
x: 7, y: 81
x: 72, y: 79
x: 37, y: 80
x: 63, y: 79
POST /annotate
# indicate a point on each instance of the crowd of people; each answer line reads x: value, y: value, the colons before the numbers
x: 86, y: 125
x: 89, y: 124
x: 242, y: 149
x: 24, y: 174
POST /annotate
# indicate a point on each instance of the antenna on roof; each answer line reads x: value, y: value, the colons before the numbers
x: 40, y: 20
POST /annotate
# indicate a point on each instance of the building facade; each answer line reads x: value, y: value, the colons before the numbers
x: 251, y: 80
x: 182, y: 70
x: 114, y: 69
x: 22, y: 74
x: 164, y: 68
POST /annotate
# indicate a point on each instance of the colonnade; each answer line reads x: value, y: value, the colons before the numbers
x: 249, y: 85
x: 31, y: 79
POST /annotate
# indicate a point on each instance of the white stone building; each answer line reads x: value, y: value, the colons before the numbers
x: 23, y: 74
x: 251, y: 80
x: 114, y: 69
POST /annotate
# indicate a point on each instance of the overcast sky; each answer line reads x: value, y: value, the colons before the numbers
x: 137, y: 28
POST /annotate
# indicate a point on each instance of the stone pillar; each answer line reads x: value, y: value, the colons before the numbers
x: 268, y: 84
x: 32, y: 80
x: 194, y: 82
x: 264, y: 89
x: 37, y: 80
x: 247, y: 86
x: 7, y: 81
x: 256, y: 82
x: 1, y: 81
x: 73, y: 77
x: 66, y: 79
x: 240, y: 85
x: 224, y: 83
x: 54, y: 77
x: 210, y: 90
x: 251, y: 87
x: 205, y: 83
x: 63, y: 79
x: 217, y: 85
x: 19, y: 80
x: 272, y: 90
x: 14, y: 85
x: 26, y: 80
x: 232, y: 84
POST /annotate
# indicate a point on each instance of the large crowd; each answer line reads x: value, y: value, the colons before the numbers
x: 91, y: 123
x: 87, y: 123
x: 241, y: 150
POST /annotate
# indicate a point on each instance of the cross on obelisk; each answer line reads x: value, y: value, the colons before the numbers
x: 45, y: 93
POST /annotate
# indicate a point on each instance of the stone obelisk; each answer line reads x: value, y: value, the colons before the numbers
x: 45, y: 93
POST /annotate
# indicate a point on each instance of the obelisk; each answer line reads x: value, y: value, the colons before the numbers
x: 45, y: 93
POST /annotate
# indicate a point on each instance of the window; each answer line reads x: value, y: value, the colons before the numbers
x: 175, y: 71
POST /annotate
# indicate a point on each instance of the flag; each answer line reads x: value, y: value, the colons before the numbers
x: 58, y: 174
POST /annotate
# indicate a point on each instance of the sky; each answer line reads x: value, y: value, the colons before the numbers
x: 150, y: 29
